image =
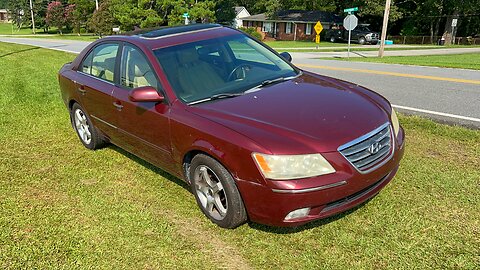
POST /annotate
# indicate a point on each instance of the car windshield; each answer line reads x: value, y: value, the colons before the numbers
x: 221, y: 67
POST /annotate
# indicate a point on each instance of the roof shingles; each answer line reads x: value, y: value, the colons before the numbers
x: 298, y: 16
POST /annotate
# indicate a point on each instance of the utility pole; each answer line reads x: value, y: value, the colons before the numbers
x: 96, y: 4
x: 33, y: 19
x: 384, y: 29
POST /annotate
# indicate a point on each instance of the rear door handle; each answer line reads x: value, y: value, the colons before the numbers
x: 118, y: 105
x: 81, y: 89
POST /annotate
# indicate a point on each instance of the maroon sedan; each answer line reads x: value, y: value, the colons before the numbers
x: 255, y: 137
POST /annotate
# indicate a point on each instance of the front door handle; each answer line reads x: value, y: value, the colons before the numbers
x: 118, y: 105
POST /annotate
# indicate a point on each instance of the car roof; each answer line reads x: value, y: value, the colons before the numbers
x: 167, y: 36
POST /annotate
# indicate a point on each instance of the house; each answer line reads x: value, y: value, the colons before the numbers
x: 240, y: 12
x: 291, y: 24
x: 4, y: 15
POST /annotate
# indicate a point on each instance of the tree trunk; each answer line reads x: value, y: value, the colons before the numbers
x: 449, y: 29
x: 431, y: 31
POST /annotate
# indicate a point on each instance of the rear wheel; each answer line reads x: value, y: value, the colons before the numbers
x: 87, y: 133
x: 216, y: 192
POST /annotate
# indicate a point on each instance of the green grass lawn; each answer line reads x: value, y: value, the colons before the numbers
x: 6, y: 29
x: 467, y: 61
x: 65, y: 207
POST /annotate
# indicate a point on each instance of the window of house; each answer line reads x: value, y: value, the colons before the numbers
x: 267, y: 27
x: 308, y: 29
x: 288, y: 28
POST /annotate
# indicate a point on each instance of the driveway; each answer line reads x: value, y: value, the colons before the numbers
x: 444, y: 94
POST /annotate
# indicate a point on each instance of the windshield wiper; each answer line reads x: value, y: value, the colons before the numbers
x: 268, y: 82
x: 225, y: 95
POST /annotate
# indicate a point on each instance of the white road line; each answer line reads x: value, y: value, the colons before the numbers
x: 437, y: 113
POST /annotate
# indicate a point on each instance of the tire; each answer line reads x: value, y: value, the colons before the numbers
x: 216, y: 192
x: 362, y: 40
x: 89, y: 136
x: 332, y: 39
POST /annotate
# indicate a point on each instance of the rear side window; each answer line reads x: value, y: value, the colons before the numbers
x: 101, y: 62
x: 135, y: 71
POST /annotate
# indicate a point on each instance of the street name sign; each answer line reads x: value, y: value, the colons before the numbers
x: 350, y: 10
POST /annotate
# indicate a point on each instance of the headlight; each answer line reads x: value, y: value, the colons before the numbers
x: 395, y: 124
x: 282, y: 167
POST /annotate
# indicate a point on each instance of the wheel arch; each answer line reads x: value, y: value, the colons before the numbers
x: 199, y: 148
x: 71, y: 102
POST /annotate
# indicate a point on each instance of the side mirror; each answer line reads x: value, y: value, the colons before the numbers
x: 286, y: 56
x: 145, y: 94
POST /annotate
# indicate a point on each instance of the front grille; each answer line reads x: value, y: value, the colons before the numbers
x: 371, y: 150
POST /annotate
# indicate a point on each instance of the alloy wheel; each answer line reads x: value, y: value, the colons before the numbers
x: 210, y: 192
x: 82, y: 126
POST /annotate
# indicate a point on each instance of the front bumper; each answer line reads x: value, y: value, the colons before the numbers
x: 325, y: 195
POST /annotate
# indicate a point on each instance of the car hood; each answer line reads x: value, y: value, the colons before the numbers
x: 308, y: 114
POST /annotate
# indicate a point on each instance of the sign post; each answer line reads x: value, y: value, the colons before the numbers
x: 386, y: 15
x: 350, y: 22
x: 454, y: 24
x: 186, y: 16
x: 318, y: 29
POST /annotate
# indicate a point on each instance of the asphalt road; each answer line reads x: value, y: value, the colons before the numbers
x: 444, y: 94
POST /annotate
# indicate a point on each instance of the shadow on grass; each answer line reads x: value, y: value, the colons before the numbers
x: 256, y: 226
x: 150, y: 166
x: 19, y: 51
x: 308, y: 226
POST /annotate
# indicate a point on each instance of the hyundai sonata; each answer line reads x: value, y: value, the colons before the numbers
x: 255, y: 137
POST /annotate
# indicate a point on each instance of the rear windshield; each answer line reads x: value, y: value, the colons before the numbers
x: 231, y: 64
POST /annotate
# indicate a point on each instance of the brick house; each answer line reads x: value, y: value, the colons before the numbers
x: 4, y: 15
x: 291, y: 24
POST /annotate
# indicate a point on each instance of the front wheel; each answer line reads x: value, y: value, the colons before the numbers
x: 362, y: 41
x: 87, y: 133
x: 332, y: 39
x: 216, y: 192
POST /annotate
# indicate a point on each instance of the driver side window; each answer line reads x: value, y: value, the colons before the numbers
x: 135, y: 71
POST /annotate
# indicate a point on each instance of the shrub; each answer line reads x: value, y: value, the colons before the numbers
x: 252, y: 32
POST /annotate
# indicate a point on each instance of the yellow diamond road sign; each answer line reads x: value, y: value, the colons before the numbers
x: 318, y: 27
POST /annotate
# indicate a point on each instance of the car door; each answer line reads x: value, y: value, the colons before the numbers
x: 143, y: 126
x: 95, y: 83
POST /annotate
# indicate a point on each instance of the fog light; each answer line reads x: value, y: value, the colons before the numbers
x: 299, y: 213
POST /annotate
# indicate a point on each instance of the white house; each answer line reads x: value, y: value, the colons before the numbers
x: 240, y: 12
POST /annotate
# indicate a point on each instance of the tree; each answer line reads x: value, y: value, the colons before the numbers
x: 16, y: 9
x: 56, y: 15
x: 131, y: 13
x: 224, y: 11
x: 103, y: 20
x: 3, y: 3
x: 82, y: 13
x: 40, y: 14
x: 200, y: 11
x: 203, y: 12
